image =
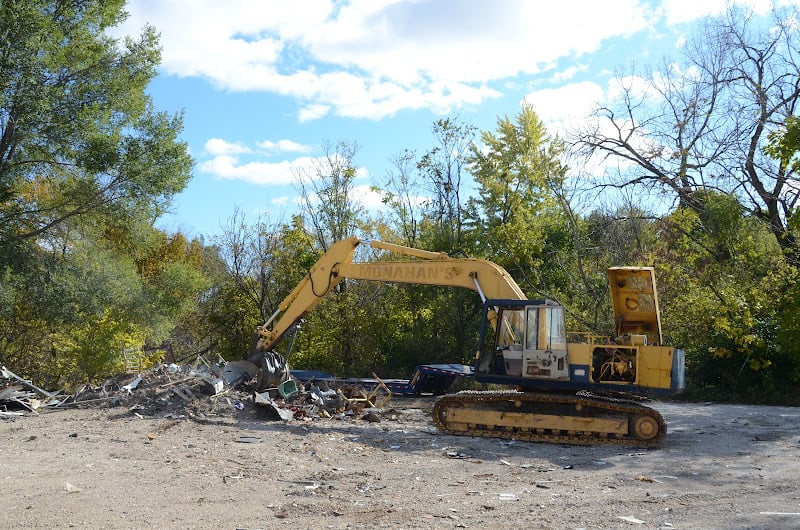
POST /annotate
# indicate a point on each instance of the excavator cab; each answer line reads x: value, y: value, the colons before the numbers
x: 530, y: 341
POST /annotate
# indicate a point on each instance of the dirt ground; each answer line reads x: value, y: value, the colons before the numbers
x: 721, y: 466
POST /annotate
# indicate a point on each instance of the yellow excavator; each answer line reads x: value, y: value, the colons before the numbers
x: 563, y: 387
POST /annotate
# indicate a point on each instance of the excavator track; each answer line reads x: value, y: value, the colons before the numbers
x: 582, y: 418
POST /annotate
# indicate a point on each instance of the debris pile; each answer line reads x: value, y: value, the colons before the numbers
x: 18, y: 395
x: 201, y: 390
x: 321, y: 399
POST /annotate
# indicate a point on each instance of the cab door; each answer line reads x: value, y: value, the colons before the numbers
x: 544, y: 354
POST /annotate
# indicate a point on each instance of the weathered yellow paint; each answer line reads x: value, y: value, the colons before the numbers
x: 653, y: 363
x: 456, y: 418
x: 635, y: 301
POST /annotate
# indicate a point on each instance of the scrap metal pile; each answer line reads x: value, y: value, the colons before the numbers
x: 201, y: 390
x: 18, y: 395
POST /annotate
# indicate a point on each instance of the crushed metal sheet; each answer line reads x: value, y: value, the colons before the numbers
x: 263, y: 400
x: 12, y: 391
x: 217, y: 384
x: 8, y: 374
x: 183, y: 393
x: 132, y: 385
x: 236, y: 372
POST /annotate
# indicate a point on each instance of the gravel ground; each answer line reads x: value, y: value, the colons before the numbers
x: 721, y: 466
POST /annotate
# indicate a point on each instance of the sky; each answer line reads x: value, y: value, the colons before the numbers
x: 266, y: 85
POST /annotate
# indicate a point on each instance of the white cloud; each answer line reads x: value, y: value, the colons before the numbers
x: 562, y: 109
x: 582, y: 100
x: 467, y: 40
x: 636, y: 86
x: 284, y: 146
x: 234, y: 161
x: 373, y: 58
x: 218, y: 146
x: 682, y: 11
x: 313, y: 112
x: 362, y: 195
x: 227, y: 162
x: 370, y: 199
x: 567, y: 74
x: 264, y: 173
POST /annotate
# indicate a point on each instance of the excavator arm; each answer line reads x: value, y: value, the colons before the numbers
x: 431, y: 268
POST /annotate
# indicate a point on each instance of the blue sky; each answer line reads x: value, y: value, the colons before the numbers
x: 264, y: 84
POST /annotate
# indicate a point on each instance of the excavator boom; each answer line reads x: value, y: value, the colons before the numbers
x: 431, y: 268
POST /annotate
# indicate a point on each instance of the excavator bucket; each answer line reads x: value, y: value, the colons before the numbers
x: 272, y: 369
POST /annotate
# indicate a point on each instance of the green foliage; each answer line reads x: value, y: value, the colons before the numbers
x: 327, y: 199
x: 86, y: 165
x: 92, y: 349
x: 784, y: 144
x: 517, y: 170
x: 625, y: 236
x: 428, y: 194
x: 226, y: 320
x: 324, y: 344
x: 257, y: 266
x: 728, y: 287
x: 390, y: 329
x: 80, y: 136
x: 88, y: 295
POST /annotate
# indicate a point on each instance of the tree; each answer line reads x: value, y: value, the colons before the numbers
x: 78, y: 134
x: 707, y: 123
x: 728, y: 291
x: 429, y: 199
x: 443, y: 175
x: 518, y: 171
x: 70, y: 313
x: 717, y: 133
x: 784, y: 144
x: 327, y: 195
x: 263, y: 263
x: 402, y: 195
x: 201, y: 331
x: 86, y: 166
